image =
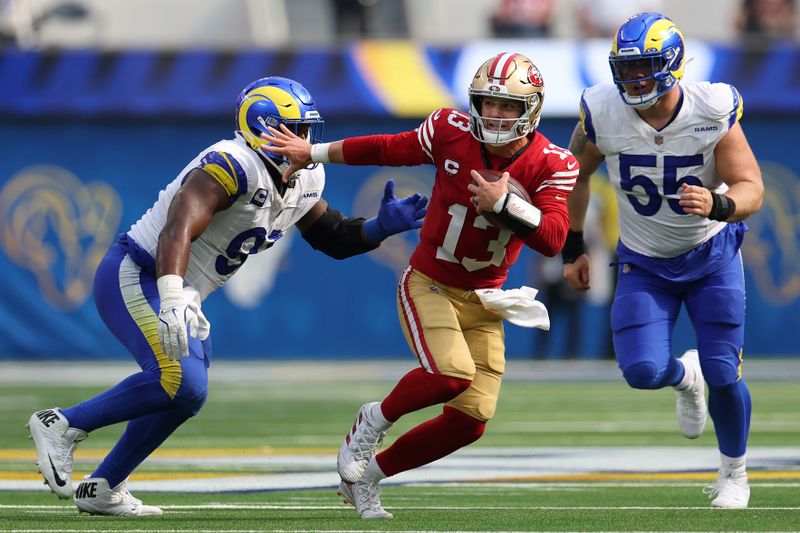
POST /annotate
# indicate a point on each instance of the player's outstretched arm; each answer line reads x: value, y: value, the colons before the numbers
x: 576, y: 262
x: 337, y: 236
x: 395, y: 215
x: 738, y: 168
x: 299, y: 151
x: 189, y: 214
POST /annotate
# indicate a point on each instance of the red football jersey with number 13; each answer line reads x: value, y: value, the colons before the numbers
x: 457, y: 246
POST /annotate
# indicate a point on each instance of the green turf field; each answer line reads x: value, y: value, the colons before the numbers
x: 289, y: 429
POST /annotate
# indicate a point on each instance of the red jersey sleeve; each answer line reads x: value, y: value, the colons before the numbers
x: 409, y: 148
x: 550, y: 197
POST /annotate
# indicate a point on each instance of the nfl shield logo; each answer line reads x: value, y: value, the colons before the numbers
x: 659, y: 139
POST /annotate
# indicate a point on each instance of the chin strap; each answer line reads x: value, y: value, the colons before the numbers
x: 281, y: 168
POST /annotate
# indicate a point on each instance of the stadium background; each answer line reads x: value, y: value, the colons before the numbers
x: 101, y: 106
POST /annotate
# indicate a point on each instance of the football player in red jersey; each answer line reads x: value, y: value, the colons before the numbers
x: 458, y: 341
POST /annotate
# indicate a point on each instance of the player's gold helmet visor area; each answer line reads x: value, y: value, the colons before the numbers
x: 512, y: 76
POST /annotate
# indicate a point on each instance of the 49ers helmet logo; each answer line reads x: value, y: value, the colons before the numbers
x: 535, y: 76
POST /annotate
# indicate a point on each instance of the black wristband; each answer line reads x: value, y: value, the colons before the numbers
x: 574, y: 247
x: 722, y: 207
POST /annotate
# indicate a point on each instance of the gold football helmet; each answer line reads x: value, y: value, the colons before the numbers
x: 512, y: 76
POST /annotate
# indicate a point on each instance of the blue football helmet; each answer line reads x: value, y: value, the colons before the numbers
x: 648, y: 46
x: 274, y: 101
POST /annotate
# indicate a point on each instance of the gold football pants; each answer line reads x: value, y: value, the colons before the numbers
x: 452, y: 334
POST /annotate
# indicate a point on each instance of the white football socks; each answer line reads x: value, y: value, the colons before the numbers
x: 373, y: 473
x: 732, y: 464
x: 376, y: 417
x: 688, y: 377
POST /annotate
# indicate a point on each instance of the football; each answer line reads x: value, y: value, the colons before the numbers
x: 513, y: 186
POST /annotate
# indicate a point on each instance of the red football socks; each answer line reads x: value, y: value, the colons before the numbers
x: 419, y: 389
x: 430, y: 441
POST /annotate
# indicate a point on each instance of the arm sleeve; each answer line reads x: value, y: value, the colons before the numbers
x: 338, y: 236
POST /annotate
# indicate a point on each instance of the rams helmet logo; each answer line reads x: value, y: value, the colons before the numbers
x: 272, y: 102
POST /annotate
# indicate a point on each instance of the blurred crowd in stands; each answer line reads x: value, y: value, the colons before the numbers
x: 275, y: 23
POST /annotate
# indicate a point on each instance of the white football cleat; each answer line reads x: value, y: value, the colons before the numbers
x: 691, y: 404
x: 359, y: 446
x: 94, y: 496
x: 55, y: 445
x: 731, y: 491
x: 365, y: 497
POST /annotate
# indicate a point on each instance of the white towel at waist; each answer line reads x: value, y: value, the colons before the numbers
x: 518, y: 306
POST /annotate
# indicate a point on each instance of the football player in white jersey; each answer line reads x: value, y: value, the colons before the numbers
x: 685, y: 178
x: 227, y: 203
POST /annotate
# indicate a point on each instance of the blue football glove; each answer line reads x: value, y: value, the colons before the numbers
x: 395, y: 216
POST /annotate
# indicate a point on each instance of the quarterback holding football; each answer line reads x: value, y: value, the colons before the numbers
x: 458, y: 341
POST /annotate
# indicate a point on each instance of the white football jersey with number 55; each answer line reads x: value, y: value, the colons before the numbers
x: 647, y: 166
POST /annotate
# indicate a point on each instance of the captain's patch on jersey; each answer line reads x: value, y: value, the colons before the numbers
x: 224, y: 168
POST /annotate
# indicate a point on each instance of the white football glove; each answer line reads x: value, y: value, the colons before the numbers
x: 174, y: 317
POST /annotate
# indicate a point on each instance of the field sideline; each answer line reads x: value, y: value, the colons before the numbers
x: 571, y: 448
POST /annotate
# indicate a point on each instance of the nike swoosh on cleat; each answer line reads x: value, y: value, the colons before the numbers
x: 60, y: 482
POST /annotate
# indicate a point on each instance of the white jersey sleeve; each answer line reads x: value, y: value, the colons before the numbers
x: 647, y: 166
x: 257, y: 217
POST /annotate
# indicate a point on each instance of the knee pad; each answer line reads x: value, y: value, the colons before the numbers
x: 468, y: 428
x: 191, y: 400
x: 192, y: 395
x: 643, y: 375
x: 720, y: 371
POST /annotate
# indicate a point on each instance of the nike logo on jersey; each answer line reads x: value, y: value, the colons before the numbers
x: 570, y: 166
x: 560, y: 197
x: 59, y: 481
